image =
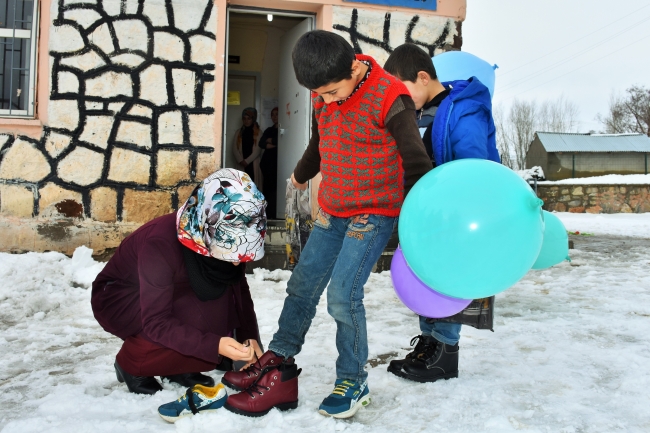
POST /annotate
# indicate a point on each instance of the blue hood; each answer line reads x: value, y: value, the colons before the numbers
x: 463, y: 126
x: 469, y: 89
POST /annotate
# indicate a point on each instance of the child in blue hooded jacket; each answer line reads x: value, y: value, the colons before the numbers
x: 455, y: 120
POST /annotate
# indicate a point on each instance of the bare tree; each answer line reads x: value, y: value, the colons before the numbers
x: 503, y: 145
x: 559, y: 115
x: 628, y: 113
x: 520, y: 129
x: 516, y: 130
x: 614, y: 123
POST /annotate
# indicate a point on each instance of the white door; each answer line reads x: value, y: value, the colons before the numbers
x: 294, y: 117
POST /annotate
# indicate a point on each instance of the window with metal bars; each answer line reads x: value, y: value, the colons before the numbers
x: 18, y: 37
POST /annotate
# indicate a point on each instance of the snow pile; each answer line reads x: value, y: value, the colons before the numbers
x: 531, y: 173
x: 570, y: 353
x: 35, y: 284
x: 609, y: 179
x: 619, y: 224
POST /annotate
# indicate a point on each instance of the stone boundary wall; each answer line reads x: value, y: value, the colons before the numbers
x: 595, y: 198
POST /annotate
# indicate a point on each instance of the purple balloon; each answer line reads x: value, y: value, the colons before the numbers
x: 419, y: 297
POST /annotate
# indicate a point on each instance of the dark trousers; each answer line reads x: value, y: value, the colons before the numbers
x: 140, y: 357
x: 269, y: 167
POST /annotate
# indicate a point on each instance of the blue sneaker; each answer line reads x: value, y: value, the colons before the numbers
x: 197, y: 399
x: 346, y: 399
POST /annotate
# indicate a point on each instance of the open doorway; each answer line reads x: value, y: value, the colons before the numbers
x: 260, y: 76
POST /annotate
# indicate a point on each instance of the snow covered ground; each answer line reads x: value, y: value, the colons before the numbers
x: 608, y: 179
x: 570, y: 352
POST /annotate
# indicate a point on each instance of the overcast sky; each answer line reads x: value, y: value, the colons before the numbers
x: 582, y: 49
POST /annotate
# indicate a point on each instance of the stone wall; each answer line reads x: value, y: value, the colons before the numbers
x: 595, y: 198
x: 130, y: 124
x: 377, y: 33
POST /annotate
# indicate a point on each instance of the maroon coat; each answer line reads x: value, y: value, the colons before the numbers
x: 145, y: 289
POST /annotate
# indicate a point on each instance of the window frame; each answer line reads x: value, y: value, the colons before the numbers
x: 33, y: 34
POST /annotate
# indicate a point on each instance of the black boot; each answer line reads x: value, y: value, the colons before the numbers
x: 190, y: 379
x: 439, y: 361
x: 423, y: 343
x: 137, y: 384
x: 225, y: 364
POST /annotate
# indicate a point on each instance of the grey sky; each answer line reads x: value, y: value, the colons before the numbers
x: 583, y: 49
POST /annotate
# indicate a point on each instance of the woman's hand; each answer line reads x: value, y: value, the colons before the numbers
x: 233, y: 349
x: 257, y: 350
x: 243, y: 163
x: 300, y: 186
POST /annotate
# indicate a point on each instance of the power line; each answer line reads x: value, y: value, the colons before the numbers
x: 579, y: 67
x: 577, y: 40
x: 573, y: 57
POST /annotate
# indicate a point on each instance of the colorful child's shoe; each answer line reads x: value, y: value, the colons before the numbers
x: 346, y: 399
x: 197, y: 399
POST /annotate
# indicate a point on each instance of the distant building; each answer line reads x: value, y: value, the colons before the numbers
x: 567, y: 155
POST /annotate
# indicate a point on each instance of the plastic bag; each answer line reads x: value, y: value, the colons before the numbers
x: 298, y: 222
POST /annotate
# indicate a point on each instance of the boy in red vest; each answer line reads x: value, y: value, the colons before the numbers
x: 367, y: 146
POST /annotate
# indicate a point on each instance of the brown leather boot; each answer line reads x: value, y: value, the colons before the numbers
x: 276, y: 387
x: 240, y: 380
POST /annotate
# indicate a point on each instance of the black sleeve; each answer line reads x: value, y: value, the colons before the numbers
x: 262, y: 142
x: 402, y: 125
x: 309, y: 164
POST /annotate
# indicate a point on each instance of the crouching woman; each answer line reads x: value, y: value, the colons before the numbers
x: 176, y: 292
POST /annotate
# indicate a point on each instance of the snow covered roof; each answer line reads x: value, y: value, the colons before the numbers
x: 571, y: 142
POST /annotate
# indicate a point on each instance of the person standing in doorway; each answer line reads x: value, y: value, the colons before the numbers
x: 269, y: 164
x: 244, y: 148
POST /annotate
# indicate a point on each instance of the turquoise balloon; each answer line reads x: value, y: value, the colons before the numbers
x: 471, y: 228
x: 460, y: 65
x: 555, y: 245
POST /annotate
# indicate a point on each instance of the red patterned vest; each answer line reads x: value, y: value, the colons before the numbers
x: 360, y: 164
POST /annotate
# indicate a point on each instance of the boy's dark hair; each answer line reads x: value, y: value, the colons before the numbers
x: 407, y: 60
x: 321, y: 58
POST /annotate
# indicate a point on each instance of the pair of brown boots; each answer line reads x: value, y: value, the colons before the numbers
x: 270, y: 382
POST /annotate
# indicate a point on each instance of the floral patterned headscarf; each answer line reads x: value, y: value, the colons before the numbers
x: 224, y: 218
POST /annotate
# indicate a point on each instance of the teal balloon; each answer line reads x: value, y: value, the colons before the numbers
x: 555, y: 244
x: 461, y: 65
x: 471, y: 228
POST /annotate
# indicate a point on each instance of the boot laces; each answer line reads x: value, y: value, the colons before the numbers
x: 256, y: 367
x: 429, y: 349
x: 259, y: 389
x: 342, y: 388
x: 421, y: 345
x: 255, y: 387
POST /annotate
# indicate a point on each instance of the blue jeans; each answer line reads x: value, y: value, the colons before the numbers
x: 448, y: 333
x: 341, y: 252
